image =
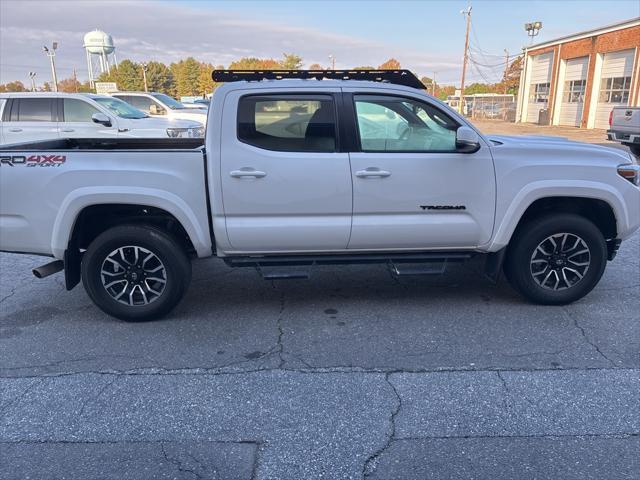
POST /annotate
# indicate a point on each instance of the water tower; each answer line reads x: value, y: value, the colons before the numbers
x: 101, y: 54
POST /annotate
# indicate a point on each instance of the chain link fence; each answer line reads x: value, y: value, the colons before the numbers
x: 487, y: 106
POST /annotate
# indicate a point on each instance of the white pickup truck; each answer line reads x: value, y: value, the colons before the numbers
x: 303, y: 171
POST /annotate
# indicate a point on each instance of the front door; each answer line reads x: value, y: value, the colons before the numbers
x: 77, y: 121
x: 411, y: 188
x: 286, y: 186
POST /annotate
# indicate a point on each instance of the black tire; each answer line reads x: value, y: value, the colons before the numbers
x: 635, y: 149
x: 136, y: 241
x: 522, y: 269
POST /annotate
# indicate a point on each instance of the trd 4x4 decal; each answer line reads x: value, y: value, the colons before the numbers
x: 33, y: 160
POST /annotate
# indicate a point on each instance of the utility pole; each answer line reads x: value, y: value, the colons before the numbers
x: 51, y: 54
x: 75, y: 79
x: 32, y: 76
x: 433, y: 84
x: 333, y: 62
x: 144, y: 76
x: 466, y: 12
x: 506, y: 69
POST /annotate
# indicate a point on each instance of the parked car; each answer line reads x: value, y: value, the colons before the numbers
x: 624, y: 127
x: 300, y: 173
x: 41, y: 116
x: 161, y: 105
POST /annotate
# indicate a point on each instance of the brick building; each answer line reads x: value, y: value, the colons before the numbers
x: 578, y: 79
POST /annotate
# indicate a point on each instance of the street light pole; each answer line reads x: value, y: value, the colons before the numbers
x: 333, y: 62
x: 51, y: 54
x: 533, y: 29
x: 144, y: 76
x: 32, y: 76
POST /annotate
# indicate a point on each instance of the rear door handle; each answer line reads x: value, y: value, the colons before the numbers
x: 67, y: 130
x: 15, y: 129
x: 247, y: 172
x: 372, y: 172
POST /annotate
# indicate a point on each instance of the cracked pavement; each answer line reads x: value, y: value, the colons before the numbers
x: 347, y: 375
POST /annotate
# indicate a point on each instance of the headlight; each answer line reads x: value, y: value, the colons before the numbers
x: 630, y: 172
x: 178, y: 132
x: 197, y: 132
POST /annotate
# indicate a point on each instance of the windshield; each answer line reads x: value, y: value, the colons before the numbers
x: 120, y: 108
x: 172, y: 103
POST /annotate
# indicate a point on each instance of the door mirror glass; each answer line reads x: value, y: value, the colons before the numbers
x: 101, y: 118
x: 156, y: 110
x: 467, y: 140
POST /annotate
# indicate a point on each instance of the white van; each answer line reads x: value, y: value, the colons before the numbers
x: 30, y: 116
x: 160, y: 105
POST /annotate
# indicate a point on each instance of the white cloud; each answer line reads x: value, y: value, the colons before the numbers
x: 169, y: 32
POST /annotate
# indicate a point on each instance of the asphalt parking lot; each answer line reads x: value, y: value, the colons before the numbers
x: 350, y: 374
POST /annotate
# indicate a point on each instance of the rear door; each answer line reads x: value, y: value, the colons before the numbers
x: 30, y: 119
x: 285, y: 183
x: 411, y: 188
x: 76, y: 121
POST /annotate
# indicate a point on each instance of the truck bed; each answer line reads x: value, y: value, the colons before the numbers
x: 66, y: 144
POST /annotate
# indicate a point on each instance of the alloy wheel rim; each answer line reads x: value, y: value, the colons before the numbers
x: 560, y: 261
x: 133, y: 276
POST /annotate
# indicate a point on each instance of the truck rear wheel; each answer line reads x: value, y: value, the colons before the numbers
x: 556, y: 259
x: 135, y: 273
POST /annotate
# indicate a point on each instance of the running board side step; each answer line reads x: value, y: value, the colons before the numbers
x: 258, y: 261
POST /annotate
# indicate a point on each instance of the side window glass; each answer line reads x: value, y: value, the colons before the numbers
x: 288, y: 124
x: 394, y: 124
x: 35, y: 110
x: 78, y: 110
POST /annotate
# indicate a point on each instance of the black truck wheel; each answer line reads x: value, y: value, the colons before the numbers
x: 556, y: 259
x: 135, y: 273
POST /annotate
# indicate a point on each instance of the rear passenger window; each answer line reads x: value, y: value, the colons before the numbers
x: 78, y: 111
x: 35, y: 110
x: 304, y: 123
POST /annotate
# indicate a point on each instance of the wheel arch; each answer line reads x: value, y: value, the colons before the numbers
x: 599, y: 203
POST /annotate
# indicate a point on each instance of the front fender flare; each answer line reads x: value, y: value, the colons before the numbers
x: 561, y: 188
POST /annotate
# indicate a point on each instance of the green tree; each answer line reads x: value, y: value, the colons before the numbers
x: 206, y: 85
x: 391, y: 64
x: 253, y: 63
x: 160, y: 78
x: 186, y: 73
x: 479, y: 88
x: 16, y: 86
x: 291, y: 61
x: 127, y: 76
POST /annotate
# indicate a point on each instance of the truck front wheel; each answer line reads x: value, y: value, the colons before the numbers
x: 135, y: 273
x: 556, y: 259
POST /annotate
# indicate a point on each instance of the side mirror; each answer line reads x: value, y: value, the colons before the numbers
x: 101, y: 118
x: 467, y: 140
x: 155, y: 109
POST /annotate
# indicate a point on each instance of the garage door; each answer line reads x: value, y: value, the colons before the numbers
x: 539, y: 85
x: 575, y: 81
x: 615, y: 84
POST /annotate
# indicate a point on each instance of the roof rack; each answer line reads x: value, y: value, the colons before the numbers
x: 397, y: 77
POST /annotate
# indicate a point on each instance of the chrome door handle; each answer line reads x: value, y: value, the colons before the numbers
x: 372, y: 172
x: 67, y: 130
x: 247, y: 172
x: 15, y: 129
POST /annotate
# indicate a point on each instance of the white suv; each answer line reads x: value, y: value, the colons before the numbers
x: 44, y: 116
x: 161, y: 105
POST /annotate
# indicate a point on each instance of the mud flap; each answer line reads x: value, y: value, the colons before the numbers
x: 493, y: 265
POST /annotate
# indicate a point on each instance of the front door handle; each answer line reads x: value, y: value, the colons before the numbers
x: 67, y: 130
x: 247, y: 172
x: 372, y: 172
x: 15, y: 129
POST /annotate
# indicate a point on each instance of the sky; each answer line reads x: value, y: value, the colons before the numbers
x: 426, y: 36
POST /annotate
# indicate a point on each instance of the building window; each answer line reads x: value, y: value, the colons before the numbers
x: 540, y: 93
x: 574, y: 91
x: 615, y: 90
